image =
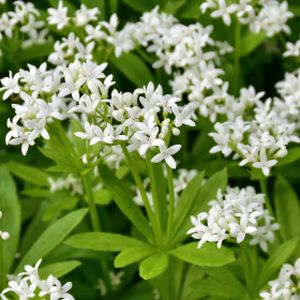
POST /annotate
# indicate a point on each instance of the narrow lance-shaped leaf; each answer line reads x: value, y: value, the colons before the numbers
x: 10, y: 221
x: 133, y: 67
x: 275, y: 261
x: 59, y: 269
x: 186, y: 201
x: 103, y: 241
x: 52, y: 237
x: 207, y: 193
x: 287, y: 209
x: 208, y: 255
x: 124, y: 201
x: 133, y: 255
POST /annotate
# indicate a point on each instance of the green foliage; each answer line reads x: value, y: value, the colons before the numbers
x: 59, y: 269
x: 52, y: 237
x: 11, y: 222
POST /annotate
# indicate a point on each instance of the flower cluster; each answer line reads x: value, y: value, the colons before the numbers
x: 234, y: 215
x: 83, y: 16
x: 286, y: 286
x: 256, y: 131
x: 26, y: 19
x: 4, y: 235
x: 28, y: 284
x: 186, y: 51
x: 180, y: 182
x: 269, y: 16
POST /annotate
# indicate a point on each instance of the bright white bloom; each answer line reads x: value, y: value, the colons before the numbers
x: 59, y: 16
x: 84, y: 15
x: 28, y: 284
x: 286, y: 286
x: 167, y: 155
x: 292, y: 49
x: 234, y: 215
x: 267, y: 16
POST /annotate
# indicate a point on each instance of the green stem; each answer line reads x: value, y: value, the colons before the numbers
x: 166, y: 286
x: 141, y: 189
x: 154, y: 193
x: 263, y: 187
x: 171, y: 200
x: 91, y: 201
x: 237, y: 48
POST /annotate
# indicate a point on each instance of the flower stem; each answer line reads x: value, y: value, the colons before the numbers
x: 237, y: 48
x: 263, y: 187
x: 171, y: 200
x: 166, y: 286
x: 141, y: 189
x: 91, y: 201
x: 157, y: 213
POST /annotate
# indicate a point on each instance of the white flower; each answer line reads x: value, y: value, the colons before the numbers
x: 84, y: 15
x: 59, y: 16
x: 224, y: 10
x: 236, y: 214
x: 264, y: 163
x: 10, y: 85
x: 166, y: 154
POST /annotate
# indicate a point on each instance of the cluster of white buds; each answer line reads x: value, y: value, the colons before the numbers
x: 60, y: 18
x: 235, y: 214
x: 268, y: 16
x: 258, y: 132
x: 26, y: 19
x: 28, y: 284
x: 180, y: 182
x: 69, y: 183
x: 186, y: 51
x: 4, y: 235
x: 286, y: 286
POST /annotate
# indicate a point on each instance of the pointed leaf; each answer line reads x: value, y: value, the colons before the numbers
x: 124, y: 201
x: 287, y: 209
x: 208, y: 255
x: 28, y: 173
x: 133, y: 67
x: 103, y: 241
x: 52, y: 237
x: 59, y: 269
x: 275, y: 261
x: 186, y: 201
x: 133, y: 255
x: 10, y: 221
x: 154, y: 265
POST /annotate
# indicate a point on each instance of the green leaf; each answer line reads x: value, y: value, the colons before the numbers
x: 10, y: 222
x: 208, y: 255
x: 275, y: 261
x: 52, y: 237
x: 102, y: 197
x: 211, y: 287
x: 287, y: 209
x: 295, y: 9
x: 133, y: 255
x: 28, y: 173
x: 124, y: 201
x: 172, y: 6
x: 154, y: 265
x: 186, y: 201
x: 250, y: 41
x: 191, y: 10
x: 36, y: 51
x: 133, y: 67
x: 292, y: 156
x: 59, y: 269
x: 208, y: 192
x: 220, y: 280
x: 140, y: 5
x: 103, y: 241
